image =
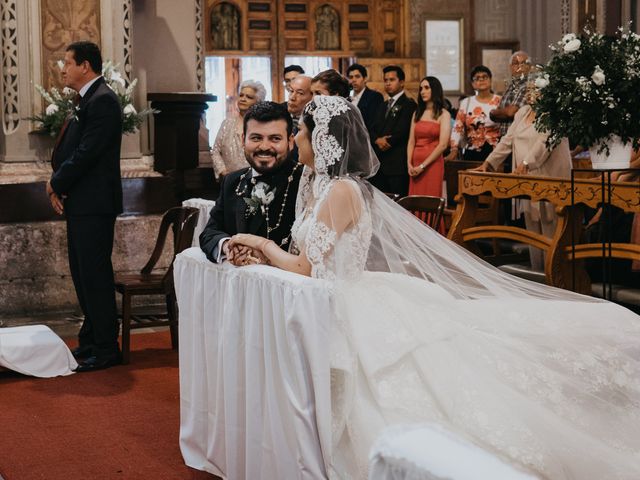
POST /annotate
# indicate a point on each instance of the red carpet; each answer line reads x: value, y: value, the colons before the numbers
x: 119, y: 423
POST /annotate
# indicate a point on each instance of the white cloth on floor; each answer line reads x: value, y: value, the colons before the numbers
x: 205, y: 207
x: 35, y: 350
x: 429, y: 452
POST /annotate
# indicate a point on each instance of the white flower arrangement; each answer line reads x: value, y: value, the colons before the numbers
x: 261, y: 198
x: 589, y: 90
x: 61, y: 102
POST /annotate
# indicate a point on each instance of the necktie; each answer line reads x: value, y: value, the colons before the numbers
x: 389, y: 106
x: 76, y: 101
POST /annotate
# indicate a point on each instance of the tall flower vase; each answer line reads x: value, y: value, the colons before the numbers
x: 619, y: 155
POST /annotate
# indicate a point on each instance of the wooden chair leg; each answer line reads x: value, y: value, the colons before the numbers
x: 172, y: 311
x: 126, y: 327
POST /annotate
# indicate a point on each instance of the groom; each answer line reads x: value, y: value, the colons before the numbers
x: 260, y: 199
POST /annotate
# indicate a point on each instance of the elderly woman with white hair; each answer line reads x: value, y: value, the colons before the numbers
x: 227, y: 153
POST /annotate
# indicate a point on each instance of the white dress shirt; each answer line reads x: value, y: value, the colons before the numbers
x: 87, y: 86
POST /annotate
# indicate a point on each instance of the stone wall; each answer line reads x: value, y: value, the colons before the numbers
x: 34, y: 269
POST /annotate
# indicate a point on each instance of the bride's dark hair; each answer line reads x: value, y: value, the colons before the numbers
x: 437, y: 98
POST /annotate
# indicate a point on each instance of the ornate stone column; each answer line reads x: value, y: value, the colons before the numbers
x: 22, y: 157
x: 10, y: 90
x: 117, y: 45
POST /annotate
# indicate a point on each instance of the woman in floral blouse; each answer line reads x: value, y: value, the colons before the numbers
x: 227, y: 153
x: 474, y: 132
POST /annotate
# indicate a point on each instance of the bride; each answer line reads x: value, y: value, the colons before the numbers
x: 424, y: 331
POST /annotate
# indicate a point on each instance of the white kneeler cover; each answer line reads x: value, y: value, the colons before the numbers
x: 429, y: 452
x: 35, y: 350
x: 205, y: 207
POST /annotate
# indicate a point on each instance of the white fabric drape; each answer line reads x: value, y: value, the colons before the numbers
x: 254, y: 370
x: 205, y: 207
x: 35, y: 350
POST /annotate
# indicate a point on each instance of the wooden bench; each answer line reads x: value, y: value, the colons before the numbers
x: 558, y: 271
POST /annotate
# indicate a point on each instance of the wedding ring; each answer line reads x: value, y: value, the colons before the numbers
x: 254, y: 259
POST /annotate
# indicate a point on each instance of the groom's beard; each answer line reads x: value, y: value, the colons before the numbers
x: 263, y: 167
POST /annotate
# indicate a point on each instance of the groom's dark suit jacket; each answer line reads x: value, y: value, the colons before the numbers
x: 229, y: 215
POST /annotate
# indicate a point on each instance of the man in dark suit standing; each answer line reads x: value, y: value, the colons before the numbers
x: 86, y: 186
x: 260, y: 199
x: 391, y: 134
x: 368, y: 101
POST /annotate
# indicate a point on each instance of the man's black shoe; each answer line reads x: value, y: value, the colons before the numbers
x: 98, y: 363
x: 83, y: 351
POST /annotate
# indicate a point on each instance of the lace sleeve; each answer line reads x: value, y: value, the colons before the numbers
x: 336, y: 242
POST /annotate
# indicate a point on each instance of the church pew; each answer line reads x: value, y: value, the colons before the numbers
x: 559, y: 253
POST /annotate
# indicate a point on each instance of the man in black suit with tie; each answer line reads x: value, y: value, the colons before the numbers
x: 391, y: 134
x: 368, y: 101
x: 86, y: 186
x: 260, y: 199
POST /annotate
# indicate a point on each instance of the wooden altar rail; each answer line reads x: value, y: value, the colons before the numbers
x: 557, y: 191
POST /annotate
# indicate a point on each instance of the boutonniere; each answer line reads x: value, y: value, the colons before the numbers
x: 395, y: 109
x: 260, y: 199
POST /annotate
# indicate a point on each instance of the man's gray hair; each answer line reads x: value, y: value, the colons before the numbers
x: 520, y: 53
x: 261, y: 92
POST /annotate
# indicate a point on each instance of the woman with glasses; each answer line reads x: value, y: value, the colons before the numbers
x: 474, y: 132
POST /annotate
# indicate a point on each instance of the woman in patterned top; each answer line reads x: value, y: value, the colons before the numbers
x: 474, y: 132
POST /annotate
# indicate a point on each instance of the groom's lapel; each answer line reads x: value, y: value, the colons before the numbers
x: 254, y: 222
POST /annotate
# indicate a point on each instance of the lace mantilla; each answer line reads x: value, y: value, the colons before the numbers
x: 326, y: 147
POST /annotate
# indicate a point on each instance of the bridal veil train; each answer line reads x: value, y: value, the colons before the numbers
x: 424, y: 331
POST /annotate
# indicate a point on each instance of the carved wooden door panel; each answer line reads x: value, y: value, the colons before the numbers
x: 336, y: 28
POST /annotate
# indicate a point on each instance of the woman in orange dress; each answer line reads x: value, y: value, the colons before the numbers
x: 428, y: 139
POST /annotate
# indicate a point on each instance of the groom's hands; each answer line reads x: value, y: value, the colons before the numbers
x: 237, y: 254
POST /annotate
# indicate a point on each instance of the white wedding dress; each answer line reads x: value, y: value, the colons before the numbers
x: 423, y: 331
x: 550, y: 386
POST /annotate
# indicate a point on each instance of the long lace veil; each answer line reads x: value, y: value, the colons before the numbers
x: 388, y: 238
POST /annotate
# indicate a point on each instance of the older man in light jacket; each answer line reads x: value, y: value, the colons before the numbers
x: 531, y: 156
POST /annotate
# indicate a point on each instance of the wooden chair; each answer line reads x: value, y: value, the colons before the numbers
x: 393, y: 196
x: 182, y: 221
x: 426, y: 208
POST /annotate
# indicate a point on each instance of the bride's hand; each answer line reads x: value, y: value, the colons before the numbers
x: 252, y: 241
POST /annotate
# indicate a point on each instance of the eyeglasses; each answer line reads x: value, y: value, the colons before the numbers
x: 478, y: 78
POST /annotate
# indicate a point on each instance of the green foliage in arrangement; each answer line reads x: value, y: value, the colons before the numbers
x: 590, y: 90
